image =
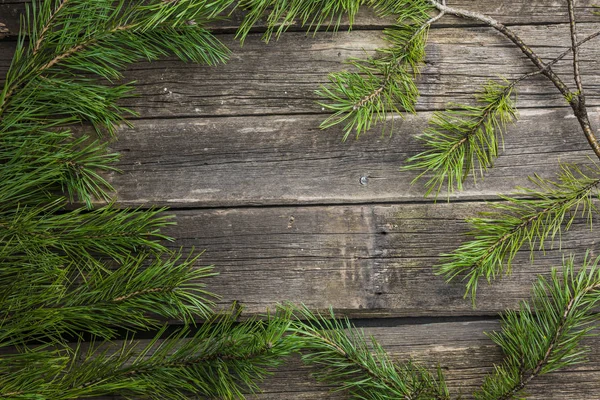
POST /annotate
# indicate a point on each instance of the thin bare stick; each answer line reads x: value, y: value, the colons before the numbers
x: 576, y: 71
x: 557, y: 59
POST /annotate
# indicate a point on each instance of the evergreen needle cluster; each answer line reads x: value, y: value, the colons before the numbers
x: 361, y: 367
x: 383, y: 83
x: 465, y: 140
x: 220, y: 359
x: 545, y: 334
x: 278, y: 15
x: 535, y: 217
x: 69, y: 274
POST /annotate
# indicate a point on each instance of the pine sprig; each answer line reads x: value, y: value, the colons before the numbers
x: 37, y: 165
x: 535, y: 220
x: 82, y: 235
x: 41, y: 300
x: 280, y: 15
x: 346, y: 358
x: 464, y: 141
x: 71, y: 37
x: 545, y: 335
x: 222, y: 359
x: 384, y: 83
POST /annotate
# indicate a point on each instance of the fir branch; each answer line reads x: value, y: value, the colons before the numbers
x: 81, y: 235
x: 462, y: 144
x: 126, y: 33
x: 222, y: 359
x: 384, y: 83
x: 346, y: 358
x: 464, y: 141
x: 546, y: 333
x: 38, y: 164
x: 100, y: 301
x: 540, y: 218
x: 279, y: 16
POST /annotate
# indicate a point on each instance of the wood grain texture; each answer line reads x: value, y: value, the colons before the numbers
x: 280, y: 208
x: 273, y: 160
x: 364, y: 260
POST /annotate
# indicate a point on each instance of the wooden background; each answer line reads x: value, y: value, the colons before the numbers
x: 278, y: 204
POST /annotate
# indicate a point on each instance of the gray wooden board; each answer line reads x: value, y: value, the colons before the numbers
x: 363, y: 260
x: 257, y: 79
x: 287, y: 160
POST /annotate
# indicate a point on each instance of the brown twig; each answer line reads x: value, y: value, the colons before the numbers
x: 576, y: 71
x: 47, y: 25
x: 555, y: 60
x: 578, y: 106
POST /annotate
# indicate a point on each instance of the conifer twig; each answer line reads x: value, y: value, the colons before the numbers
x: 395, y: 64
x: 497, y: 236
x: 464, y: 140
x: 346, y: 358
x: 545, y: 334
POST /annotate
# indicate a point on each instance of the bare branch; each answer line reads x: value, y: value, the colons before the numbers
x: 557, y: 59
x: 576, y: 71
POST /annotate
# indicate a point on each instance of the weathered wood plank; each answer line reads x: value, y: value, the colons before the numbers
x: 258, y: 78
x: 287, y: 160
x: 366, y: 260
x: 510, y: 12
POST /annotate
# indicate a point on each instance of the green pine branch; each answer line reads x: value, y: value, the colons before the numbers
x: 464, y: 141
x: 353, y: 363
x: 384, y: 83
x: 545, y: 334
x: 221, y: 359
x: 280, y: 15
x: 80, y: 235
x: 38, y: 165
x: 41, y: 300
x: 537, y: 219
x: 100, y: 38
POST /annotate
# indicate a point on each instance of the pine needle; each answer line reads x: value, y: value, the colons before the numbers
x: 536, y: 220
x: 464, y: 141
x: 545, y: 334
x: 385, y: 83
x: 359, y: 365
